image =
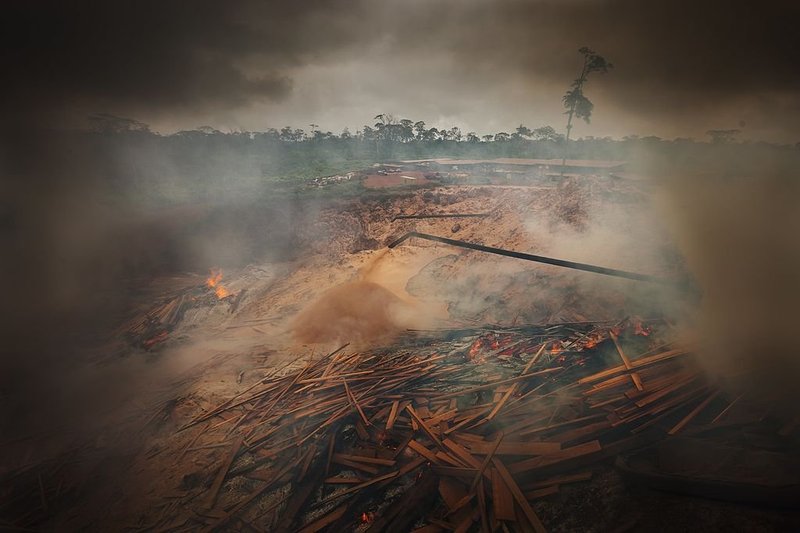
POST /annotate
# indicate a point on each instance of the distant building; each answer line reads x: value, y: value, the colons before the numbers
x: 544, y: 166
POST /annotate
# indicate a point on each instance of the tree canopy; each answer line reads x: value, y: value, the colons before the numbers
x: 575, y: 102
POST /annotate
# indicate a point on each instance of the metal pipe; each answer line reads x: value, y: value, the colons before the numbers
x: 530, y: 257
x: 448, y: 215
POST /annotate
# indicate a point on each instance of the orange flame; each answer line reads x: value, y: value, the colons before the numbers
x: 221, y: 292
x: 213, y: 282
x: 475, y: 350
x: 366, y: 518
x: 593, y: 340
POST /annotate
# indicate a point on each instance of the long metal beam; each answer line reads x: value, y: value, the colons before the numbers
x: 530, y: 257
x: 448, y: 215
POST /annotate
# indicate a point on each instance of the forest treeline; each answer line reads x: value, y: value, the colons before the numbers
x: 125, y: 156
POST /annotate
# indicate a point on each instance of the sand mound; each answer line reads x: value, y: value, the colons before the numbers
x: 357, y: 312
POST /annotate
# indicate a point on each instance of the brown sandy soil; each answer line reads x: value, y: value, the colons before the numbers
x: 346, y: 287
x: 397, y: 179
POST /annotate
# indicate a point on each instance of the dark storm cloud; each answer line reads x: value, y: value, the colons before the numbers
x: 681, y: 45
x: 158, y: 55
x: 674, y: 58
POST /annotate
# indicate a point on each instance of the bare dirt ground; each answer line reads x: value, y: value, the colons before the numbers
x: 346, y: 286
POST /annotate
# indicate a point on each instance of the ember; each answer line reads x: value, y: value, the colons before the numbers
x: 639, y: 329
x: 592, y: 341
x: 475, y: 351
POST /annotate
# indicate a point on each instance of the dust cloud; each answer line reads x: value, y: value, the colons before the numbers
x: 370, y: 310
x: 358, y: 312
x: 738, y: 234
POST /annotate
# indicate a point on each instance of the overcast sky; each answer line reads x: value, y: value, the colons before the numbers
x: 681, y: 67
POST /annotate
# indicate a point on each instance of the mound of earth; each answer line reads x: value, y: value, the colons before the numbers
x: 358, y: 311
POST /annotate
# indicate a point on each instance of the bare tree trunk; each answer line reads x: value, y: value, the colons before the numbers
x: 579, y: 87
x: 566, y: 139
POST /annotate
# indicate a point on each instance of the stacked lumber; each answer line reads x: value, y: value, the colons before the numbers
x: 428, y: 435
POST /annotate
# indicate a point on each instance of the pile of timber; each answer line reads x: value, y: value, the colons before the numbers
x: 461, y: 433
x: 152, y: 328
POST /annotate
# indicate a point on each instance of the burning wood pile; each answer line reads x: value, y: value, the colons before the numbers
x: 463, y: 432
x: 153, y: 328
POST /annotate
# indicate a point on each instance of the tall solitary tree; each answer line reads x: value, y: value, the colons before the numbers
x: 575, y: 102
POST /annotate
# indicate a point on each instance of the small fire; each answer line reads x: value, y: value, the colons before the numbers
x: 475, y: 351
x: 366, y: 518
x: 555, y: 348
x: 592, y: 341
x: 639, y: 329
x: 213, y: 282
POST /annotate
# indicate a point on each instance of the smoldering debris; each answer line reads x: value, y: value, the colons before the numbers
x: 150, y: 330
x: 479, y: 424
x: 363, y: 295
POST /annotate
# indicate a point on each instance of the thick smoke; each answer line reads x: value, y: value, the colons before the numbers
x: 80, y: 241
x: 737, y: 228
